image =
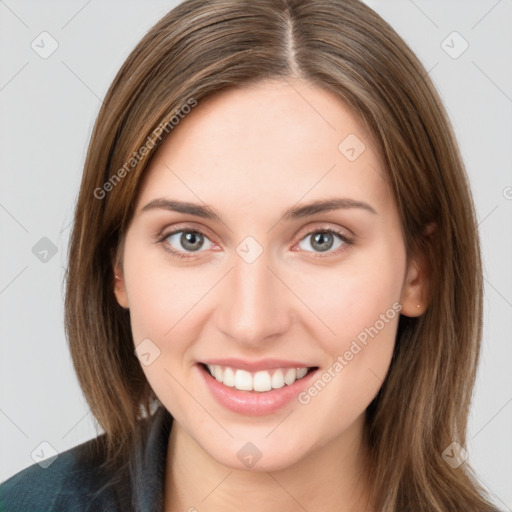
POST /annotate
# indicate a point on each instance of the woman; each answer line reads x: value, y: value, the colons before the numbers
x: 274, y: 288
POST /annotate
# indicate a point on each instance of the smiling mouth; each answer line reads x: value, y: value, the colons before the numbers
x: 261, y: 381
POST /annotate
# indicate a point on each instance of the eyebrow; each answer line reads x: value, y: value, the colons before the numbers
x: 295, y: 212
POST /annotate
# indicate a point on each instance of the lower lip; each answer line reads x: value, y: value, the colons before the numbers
x: 254, y: 403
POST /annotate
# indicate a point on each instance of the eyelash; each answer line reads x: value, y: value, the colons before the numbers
x: 346, y: 239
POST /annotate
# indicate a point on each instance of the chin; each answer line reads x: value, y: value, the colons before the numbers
x: 250, y: 458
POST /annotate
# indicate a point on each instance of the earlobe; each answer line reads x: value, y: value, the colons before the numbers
x: 120, y: 288
x: 414, y: 298
x: 119, y: 284
x: 416, y: 288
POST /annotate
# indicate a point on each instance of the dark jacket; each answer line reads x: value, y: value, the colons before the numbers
x: 75, y: 481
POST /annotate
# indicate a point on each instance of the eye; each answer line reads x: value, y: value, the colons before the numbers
x: 186, y: 240
x: 325, y: 241
x: 182, y: 243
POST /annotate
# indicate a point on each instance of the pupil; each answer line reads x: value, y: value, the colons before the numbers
x: 322, y: 241
x: 191, y: 240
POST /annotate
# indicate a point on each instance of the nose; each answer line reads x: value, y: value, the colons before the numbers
x: 254, y: 305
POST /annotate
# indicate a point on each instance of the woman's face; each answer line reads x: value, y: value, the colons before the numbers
x: 228, y: 263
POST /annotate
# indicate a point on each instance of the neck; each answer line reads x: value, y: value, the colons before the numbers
x: 328, y: 479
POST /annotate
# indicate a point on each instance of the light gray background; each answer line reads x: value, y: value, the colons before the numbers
x: 48, y: 107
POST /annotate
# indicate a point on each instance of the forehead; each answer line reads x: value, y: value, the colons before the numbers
x: 266, y: 147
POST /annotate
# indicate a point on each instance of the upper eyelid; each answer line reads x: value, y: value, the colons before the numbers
x: 166, y: 232
x: 326, y: 227
x: 301, y: 234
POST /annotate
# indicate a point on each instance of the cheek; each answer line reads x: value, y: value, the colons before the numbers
x: 365, y: 321
x: 362, y: 316
x: 165, y: 308
x: 354, y: 296
x: 359, y: 303
x: 161, y: 295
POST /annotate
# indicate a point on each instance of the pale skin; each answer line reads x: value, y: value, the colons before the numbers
x: 250, y: 154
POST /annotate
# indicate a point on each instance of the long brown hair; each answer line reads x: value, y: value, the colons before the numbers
x: 202, y: 47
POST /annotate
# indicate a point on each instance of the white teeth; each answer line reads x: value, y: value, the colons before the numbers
x: 278, y: 379
x: 228, y: 378
x: 260, y: 381
x: 301, y: 372
x: 217, y: 373
x: 290, y: 376
x: 243, y: 380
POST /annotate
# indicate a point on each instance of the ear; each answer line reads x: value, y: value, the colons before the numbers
x: 415, y: 291
x: 120, y: 287
x: 119, y: 282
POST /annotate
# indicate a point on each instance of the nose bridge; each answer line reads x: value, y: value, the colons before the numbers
x: 252, y: 306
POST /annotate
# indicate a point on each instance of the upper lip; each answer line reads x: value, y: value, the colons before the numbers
x: 254, y: 366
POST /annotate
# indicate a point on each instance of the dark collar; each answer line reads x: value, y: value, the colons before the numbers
x: 148, y: 464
